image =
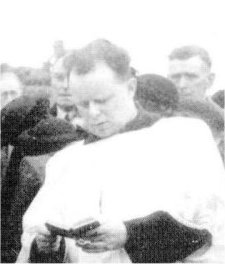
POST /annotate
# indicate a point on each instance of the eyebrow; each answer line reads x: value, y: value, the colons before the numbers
x: 58, y: 73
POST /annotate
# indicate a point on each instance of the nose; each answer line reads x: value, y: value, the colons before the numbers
x: 65, y: 85
x: 183, y: 83
x: 94, y: 110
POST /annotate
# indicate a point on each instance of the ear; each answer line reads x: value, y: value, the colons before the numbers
x: 211, y: 78
x: 132, y: 86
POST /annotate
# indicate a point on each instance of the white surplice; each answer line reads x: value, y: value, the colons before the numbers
x: 172, y: 166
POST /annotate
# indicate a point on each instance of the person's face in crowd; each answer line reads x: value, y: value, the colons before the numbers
x: 10, y: 90
x: 192, y: 77
x: 61, y: 92
x: 104, y: 102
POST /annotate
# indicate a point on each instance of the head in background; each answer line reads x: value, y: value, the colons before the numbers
x: 60, y: 90
x: 102, y: 86
x: 10, y: 88
x: 157, y: 94
x: 190, y: 70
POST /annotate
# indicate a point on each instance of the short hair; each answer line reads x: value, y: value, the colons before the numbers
x: 187, y: 52
x: 84, y: 60
x: 156, y: 93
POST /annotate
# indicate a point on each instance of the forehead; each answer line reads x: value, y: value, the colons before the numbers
x: 8, y: 85
x: 191, y: 65
x: 100, y: 82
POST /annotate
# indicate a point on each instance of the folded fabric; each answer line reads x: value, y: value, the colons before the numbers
x: 21, y: 114
x: 49, y: 135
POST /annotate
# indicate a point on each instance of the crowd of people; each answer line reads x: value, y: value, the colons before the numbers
x: 141, y: 154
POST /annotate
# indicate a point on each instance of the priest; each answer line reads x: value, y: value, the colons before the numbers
x: 155, y: 187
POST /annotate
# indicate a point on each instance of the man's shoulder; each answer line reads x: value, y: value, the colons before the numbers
x: 175, y: 124
x: 143, y: 119
x: 206, y: 110
x: 176, y: 132
x: 201, y: 107
x: 65, y: 156
x: 213, y: 104
x: 181, y: 122
x: 186, y: 125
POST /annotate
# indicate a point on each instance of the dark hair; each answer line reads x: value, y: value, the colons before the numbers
x: 218, y: 98
x: 84, y: 60
x: 20, y: 114
x: 187, y: 52
x: 156, y: 93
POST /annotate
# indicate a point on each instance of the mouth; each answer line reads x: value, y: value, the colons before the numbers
x: 65, y: 95
x: 98, y: 124
x: 186, y: 94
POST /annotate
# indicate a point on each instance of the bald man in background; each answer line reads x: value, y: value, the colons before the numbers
x: 10, y: 88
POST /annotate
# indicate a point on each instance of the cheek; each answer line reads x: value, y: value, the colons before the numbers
x: 116, y: 110
x: 200, y: 81
x: 83, y: 113
x: 199, y: 85
x: 57, y: 84
x: 53, y: 91
x: 112, y: 109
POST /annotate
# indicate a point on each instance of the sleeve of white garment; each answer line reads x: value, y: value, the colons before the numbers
x: 196, y: 176
x: 35, y: 217
x: 202, y: 203
x: 45, y: 205
x: 55, y: 202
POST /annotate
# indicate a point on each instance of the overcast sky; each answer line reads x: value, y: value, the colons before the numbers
x: 148, y: 29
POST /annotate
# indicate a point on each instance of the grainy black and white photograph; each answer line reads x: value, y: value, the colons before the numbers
x: 112, y: 131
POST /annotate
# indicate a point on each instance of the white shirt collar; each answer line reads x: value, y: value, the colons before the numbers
x: 62, y: 114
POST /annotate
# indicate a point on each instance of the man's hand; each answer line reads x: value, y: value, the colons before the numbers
x: 47, y: 243
x: 108, y: 236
